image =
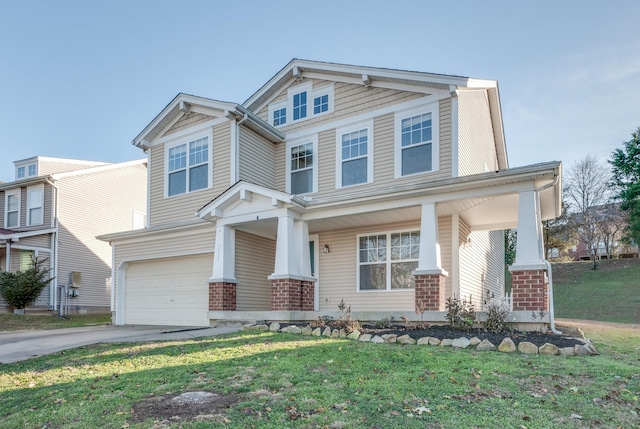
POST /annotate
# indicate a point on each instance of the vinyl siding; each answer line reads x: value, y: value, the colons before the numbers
x: 475, y: 134
x: 46, y: 209
x: 338, y: 270
x: 182, y: 207
x: 43, y: 299
x: 52, y: 166
x: 257, y: 158
x: 189, y: 120
x: 255, y: 260
x: 89, y: 205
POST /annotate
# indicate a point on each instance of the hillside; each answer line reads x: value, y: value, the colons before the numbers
x: 611, y: 293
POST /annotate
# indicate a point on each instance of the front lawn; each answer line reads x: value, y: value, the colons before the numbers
x: 269, y: 380
x: 18, y: 322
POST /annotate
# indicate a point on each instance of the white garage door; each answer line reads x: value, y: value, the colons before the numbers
x: 172, y: 291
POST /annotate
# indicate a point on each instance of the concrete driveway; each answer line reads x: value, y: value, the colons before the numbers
x: 22, y: 345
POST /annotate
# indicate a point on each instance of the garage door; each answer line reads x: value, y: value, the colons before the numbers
x: 173, y: 291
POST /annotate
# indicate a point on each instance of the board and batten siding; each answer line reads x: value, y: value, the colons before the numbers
x: 257, y: 158
x: 255, y: 261
x: 338, y: 270
x: 477, y: 151
x: 183, y: 207
x: 89, y: 205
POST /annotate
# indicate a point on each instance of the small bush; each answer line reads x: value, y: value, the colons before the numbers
x: 497, y: 316
x: 22, y: 288
x: 345, y: 321
x: 460, y: 313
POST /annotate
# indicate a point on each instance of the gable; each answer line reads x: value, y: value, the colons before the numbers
x: 187, y: 120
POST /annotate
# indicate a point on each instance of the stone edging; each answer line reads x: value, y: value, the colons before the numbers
x: 506, y: 346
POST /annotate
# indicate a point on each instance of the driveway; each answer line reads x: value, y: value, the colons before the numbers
x: 22, y: 345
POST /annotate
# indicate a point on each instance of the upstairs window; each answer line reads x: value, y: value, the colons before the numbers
x: 25, y: 171
x: 300, y: 105
x: 188, y: 167
x: 34, y: 205
x: 320, y: 104
x: 416, y: 142
x: 280, y: 116
x: 355, y: 161
x: 12, y: 211
x: 32, y: 170
x: 21, y: 172
x: 302, y: 169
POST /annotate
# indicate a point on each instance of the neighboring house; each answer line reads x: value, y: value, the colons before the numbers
x: 54, y: 210
x: 383, y: 188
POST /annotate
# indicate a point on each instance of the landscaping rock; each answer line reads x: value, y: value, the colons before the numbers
x: 335, y: 334
x: 316, y: 332
x: 548, y: 349
x: 263, y: 327
x: 446, y: 342
x: 307, y: 330
x: 567, y: 351
x: 461, y: 343
x: 354, y: 335
x: 377, y: 340
x: 474, y: 341
x: 364, y: 337
x: 507, y: 346
x: 592, y: 349
x: 434, y: 341
x: 581, y: 351
x: 423, y: 341
x: 406, y: 339
x: 528, y: 348
x: 326, y: 332
x: 274, y: 327
x: 389, y: 338
x: 486, y: 346
x: 249, y: 327
x: 294, y: 329
x: 342, y: 333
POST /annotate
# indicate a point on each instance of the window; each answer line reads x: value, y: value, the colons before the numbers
x: 188, y: 173
x: 280, y: 116
x: 27, y: 170
x: 21, y: 172
x: 320, y: 104
x: 32, y: 170
x: 300, y: 105
x: 416, y: 142
x: 26, y: 259
x: 387, y: 261
x: 12, y: 211
x: 34, y: 205
x: 302, y: 173
x: 355, y: 160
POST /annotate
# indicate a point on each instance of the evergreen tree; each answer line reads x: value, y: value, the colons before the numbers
x: 625, y: 171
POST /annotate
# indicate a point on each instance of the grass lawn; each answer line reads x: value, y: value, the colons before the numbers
x: 610, y: 293
x: 17, y: 322
x: 270, y: 380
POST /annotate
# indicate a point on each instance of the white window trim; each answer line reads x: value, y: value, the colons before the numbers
x: 305, y: 87
x: 186, y: 139
x: 433, y: 109
x: 26, y: 170
x: 6, y: 207
x: 388, y: 261
x: 368, y: 125
x: 40, y: 188
x: 311, y: 139
x: 325, y: 90
x: 277, y: 106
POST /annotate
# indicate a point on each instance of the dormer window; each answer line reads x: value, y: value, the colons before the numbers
x: 21, y: 172
x: 24, y: 171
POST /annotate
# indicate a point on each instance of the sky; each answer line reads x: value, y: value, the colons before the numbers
x: 82, y: 78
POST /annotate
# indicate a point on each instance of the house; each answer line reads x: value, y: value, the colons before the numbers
x: 385, y: 189
x: 54, y: 210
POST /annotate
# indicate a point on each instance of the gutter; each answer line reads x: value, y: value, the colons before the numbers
x: 54, y: 241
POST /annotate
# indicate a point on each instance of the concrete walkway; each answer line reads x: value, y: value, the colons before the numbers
x: 22, y: 345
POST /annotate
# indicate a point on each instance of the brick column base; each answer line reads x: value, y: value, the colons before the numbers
x: 292, y: 294
x: 530, y: 290
x: 307, y: 295
x: 430, y: 291
x: 222, y: 296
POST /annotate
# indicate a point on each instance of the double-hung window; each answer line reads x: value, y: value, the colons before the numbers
x: 386, y: 261
x: 34, y: 205
x: 355, y: 155
x: 302, y: 169
x: 12, y: 209
x: 188, y: 167
x: 21, y: 172
x: 416, y: 142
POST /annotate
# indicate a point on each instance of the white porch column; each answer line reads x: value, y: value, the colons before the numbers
x: 286, y: 257
x: 304, y: 256
x: 429, y: 260
x: 224, y: 258
x: 528, y: 245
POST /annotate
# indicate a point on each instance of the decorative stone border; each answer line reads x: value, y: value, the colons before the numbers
x: 506, y: 346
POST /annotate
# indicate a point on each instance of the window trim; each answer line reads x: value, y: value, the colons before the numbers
x: 329, y: 91
x: 433, y: 109
x: 368, y: 125
x: 298, y: 89
x: 298, y: 142
x: 275, y: 107
x: 30, y: 189
x: 388, y: 262
x: 186, y: 140
x: 26, y: 170
x: 13, y: 192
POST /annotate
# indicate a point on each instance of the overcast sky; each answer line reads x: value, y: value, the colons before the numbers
x: 80, y: 79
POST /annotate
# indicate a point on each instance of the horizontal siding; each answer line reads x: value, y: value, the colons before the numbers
x: 255, y: 261
x: 188, y: 120
x: 446, y: 251
x: 475, y: 134
x: 182, y: 207
x: 46, y: 167
x: 257, y: 158
x: 48, y: 191
x: 14, y: 265
x: 482, y: 267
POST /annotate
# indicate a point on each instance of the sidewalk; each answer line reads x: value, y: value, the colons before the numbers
x: 22, y: 345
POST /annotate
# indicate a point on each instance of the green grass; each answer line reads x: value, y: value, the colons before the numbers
x: 293, y: 381
x: 610, y: 293
x: 18, y: 322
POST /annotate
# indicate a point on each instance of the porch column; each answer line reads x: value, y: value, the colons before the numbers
x: 222, y: 284
x: 530, y: 283
x: 429, y: 276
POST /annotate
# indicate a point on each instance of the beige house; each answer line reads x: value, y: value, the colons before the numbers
x: 54, y: 210
x: 384, y: 188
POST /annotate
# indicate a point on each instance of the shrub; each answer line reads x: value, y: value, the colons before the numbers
x: 497, y: 316
x: 22, y: 288
x: 460, y: 313
x: 345, y: 321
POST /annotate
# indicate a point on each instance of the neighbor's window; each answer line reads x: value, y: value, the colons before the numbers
x: 34, y: 205
x: 21, y: 172
x: 12, y: 211
x: 32, y: 170
x: 355, y: 162
x: 302, y: 169
x: 387, y: 261
x: 188, y: 167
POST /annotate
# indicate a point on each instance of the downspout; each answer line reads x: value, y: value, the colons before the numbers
x: 237, y: 146
x: 53, y: 294
x: 552, y: 322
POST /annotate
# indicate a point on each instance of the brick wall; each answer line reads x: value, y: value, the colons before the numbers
x: 306, y: 295
x: 530, y: 290
x: 430, y: 290
x: 222, y: 296
x: 291, y: 294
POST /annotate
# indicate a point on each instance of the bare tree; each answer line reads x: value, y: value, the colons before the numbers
x: 611, y: 223
x: 586, y: 188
